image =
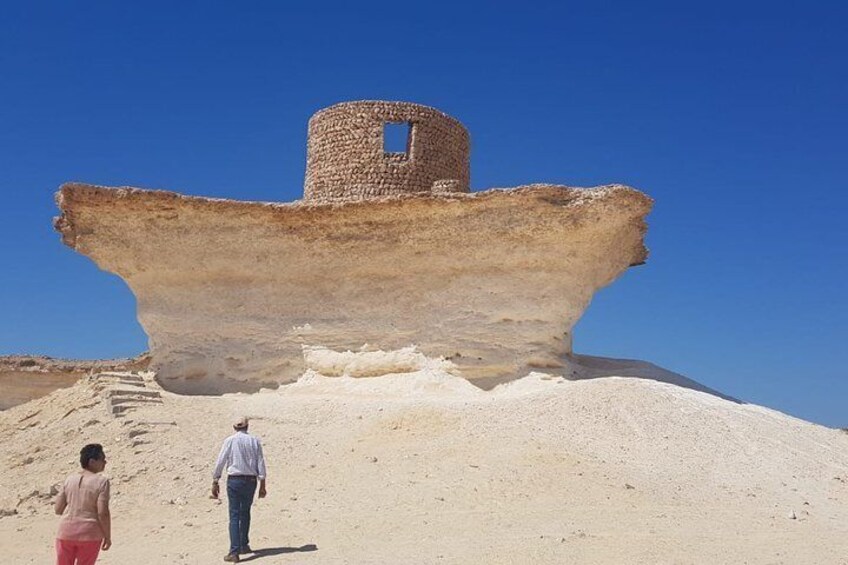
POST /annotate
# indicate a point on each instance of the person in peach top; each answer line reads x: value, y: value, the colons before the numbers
x: 83, y: 503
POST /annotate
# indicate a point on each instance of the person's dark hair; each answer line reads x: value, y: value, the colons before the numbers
x: 89, y: 452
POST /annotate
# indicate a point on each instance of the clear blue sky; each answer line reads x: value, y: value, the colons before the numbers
x: 732, y: 115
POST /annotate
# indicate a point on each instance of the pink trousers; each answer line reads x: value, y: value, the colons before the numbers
x: 72, y: 552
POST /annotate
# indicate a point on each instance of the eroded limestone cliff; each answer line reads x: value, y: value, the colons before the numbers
x: 229, y: 292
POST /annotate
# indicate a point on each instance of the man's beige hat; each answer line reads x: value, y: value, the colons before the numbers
x: 241, y: 422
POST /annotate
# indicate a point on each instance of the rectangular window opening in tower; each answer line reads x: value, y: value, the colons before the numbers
x: 397, y: 139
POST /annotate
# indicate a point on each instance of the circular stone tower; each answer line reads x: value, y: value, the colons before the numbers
x: 368, y: 149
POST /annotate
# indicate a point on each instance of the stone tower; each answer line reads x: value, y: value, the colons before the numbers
x: 347, y: 157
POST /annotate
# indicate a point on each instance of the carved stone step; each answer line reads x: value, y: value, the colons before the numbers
x: 134, y: 393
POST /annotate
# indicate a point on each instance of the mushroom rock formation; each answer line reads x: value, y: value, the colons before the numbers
x: 387, y: 249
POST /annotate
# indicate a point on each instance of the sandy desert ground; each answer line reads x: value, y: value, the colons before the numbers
x: 420, y: 466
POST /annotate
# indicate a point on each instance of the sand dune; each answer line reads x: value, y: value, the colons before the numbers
x: 417, y: 465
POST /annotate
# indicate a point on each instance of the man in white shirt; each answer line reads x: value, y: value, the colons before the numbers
x: 242, y: 456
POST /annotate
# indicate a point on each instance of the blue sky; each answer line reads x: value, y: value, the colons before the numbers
x: 732, y: 115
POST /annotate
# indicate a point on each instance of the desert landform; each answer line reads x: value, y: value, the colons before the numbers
x: 419, y: 466
x: 403, y: 347
x: 27, y: 377
x: 386, y: 248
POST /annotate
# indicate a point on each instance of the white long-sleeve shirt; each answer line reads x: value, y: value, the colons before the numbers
x: 241, y: 454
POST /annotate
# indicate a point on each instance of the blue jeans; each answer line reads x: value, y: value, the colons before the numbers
x: 240, y: 491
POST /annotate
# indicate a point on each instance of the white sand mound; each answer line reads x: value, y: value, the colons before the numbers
x: 418, y: 466
x: 427, y: 382
x: 407, y: 371
x: 367, y: 363
x: 533, y: 383
x: 401, y: 373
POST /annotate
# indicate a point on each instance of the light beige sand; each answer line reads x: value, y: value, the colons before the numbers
x: 423, y: 467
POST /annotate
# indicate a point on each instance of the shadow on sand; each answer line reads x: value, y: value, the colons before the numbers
x: 576, y: 367
x: 271, y: 551
x: 590, y: 367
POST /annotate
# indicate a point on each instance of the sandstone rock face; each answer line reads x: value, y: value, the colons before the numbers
x: 229, y: 292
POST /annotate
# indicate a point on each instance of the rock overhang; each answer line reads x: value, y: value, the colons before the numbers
x: 385, y: 249
x: 493, y: 279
